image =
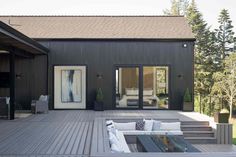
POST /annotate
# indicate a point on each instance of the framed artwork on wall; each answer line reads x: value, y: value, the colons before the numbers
x: 71, y: 83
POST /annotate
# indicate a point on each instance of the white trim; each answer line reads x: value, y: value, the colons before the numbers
x: 57, y: 88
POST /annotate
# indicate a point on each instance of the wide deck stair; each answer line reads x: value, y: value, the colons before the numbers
x: 198, y: 132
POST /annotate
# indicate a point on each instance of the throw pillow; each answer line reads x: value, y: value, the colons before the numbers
x: 174, y: 126
x: 148, y: 125
x: 110, y: 125
x: 125, y: 126
x: 109, y: 122
x: 43, y: 98
x: 140, y: 125
x: 156, y: 125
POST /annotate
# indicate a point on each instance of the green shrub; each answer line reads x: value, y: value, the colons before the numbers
x: 99, y: 96
x: 187, y: 96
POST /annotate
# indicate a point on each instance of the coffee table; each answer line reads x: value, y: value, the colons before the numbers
x: 164, y: 143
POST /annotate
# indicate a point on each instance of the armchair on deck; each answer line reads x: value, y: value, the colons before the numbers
x: 40, y: 105
x: 4, y: 106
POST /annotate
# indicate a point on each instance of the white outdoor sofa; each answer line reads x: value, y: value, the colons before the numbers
x: 100, y: 138
x: 118, y: 131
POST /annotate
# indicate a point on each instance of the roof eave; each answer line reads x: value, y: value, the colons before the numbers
x: 18, y: 36
x: 158, y: 39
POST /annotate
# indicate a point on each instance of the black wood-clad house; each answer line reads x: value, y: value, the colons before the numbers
x: 139, y: 62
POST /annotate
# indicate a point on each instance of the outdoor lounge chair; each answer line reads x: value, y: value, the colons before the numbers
x: 40, y: 105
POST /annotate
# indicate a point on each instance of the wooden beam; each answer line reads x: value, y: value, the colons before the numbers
x: 17, y: 52
x: 23, y: 54
x: 6, y: 48
x: 12, y: 85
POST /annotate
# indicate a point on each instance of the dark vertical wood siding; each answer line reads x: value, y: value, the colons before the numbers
x: 100, y: 57
x: 33, y: 80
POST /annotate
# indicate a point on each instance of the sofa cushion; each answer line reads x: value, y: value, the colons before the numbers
x: 113, y: 131
x: 148, y: 125
x: 125, y: 126
x: 113, y: 139
x: 173, y: 126
x: 116, y: 148
x: 160, y: 132
x: 148, y: 92
x: 156, y: 125
x: 140, y: 125
x: 131, y: 92
x: 123, y: 142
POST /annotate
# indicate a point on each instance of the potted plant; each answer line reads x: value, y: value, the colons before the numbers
x: 187, y: 101
x: 98, y: 104
x: 222, y: 116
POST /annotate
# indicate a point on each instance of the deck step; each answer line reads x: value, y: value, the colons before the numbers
x: 204, y: 123
x: 195, y: 128
x: 201, y: 140
x: 198, y: 133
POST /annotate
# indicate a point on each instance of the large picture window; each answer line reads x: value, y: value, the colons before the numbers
x: 155, y: 87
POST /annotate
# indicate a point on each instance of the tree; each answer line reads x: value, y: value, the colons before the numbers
x: 226, y: 82
x: 203, y: 49
x: 225, y: 34
x: 204, y: 53
x: 178, y: 7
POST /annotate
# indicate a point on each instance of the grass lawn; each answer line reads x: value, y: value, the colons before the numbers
x: 233, y: 121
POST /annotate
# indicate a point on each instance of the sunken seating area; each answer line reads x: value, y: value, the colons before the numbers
x: 192, y: 134
x: 120, y: 134
x: 101, y: 137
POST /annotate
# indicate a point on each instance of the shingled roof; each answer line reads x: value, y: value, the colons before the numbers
x: 101, y: 27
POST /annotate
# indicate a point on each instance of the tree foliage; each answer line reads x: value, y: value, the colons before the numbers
x: 205, y: 52
x: 178, y: 7
x: 213, y: 75
x: 225, y: 82
x: 225, y: 34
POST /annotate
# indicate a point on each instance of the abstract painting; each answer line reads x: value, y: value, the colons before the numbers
x: 71, y: 86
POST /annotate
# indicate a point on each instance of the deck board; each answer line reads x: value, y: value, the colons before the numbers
x: 69, y: 133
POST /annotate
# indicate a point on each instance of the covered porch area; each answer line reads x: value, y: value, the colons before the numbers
x: 21, y: 59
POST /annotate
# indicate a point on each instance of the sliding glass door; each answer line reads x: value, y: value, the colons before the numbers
x: 155, y: 87
x: 127, y: 87
x: 153, y: 83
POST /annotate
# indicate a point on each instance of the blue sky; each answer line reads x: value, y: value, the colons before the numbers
x: 209, y: 8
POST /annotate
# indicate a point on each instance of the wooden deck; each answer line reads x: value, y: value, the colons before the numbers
x: 68, y: 133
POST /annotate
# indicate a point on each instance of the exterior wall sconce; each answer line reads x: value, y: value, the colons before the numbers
x: 185, y: 45
x: 19, y: 76
x: 180, y: 76
x: 99, y: 76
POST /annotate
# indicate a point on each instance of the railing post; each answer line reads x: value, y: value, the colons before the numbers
x: 12, y: 85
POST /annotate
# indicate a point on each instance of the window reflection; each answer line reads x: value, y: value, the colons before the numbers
x: 155, y: 87
x: 127, y: 87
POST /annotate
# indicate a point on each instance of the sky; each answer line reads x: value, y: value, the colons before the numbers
x: 209, y: 8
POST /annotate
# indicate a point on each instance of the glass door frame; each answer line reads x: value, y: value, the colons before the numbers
x: 169, y: 85
x: 140, y: 85
x: 140, y: 79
